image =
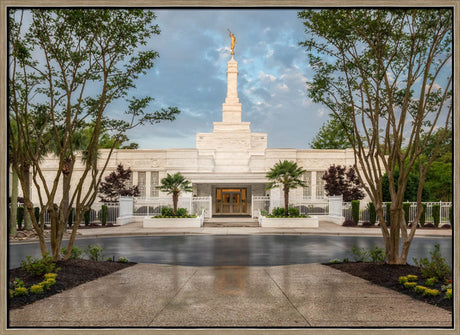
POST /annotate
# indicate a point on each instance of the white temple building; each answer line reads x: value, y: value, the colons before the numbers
x: 229, y: 164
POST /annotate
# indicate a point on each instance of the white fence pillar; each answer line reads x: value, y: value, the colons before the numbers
x: 126, y: 206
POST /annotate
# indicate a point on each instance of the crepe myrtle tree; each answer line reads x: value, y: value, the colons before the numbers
x: 388, y: 72
x: 288, y: 175
x: 175, y: 184
x: 66, y: 69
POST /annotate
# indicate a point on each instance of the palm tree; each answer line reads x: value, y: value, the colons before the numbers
x: 174, y: 185
x: 289, y: 175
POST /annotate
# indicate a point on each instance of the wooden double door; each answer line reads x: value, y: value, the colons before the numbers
x: 231, y: 201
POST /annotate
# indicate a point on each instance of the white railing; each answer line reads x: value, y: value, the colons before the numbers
x: 153, y: 205
x: 258, y: 204
x: 364, y: 211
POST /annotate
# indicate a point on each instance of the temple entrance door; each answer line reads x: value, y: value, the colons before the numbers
x: 231, y: 201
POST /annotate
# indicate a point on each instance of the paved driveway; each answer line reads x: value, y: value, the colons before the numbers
x: 306, y: 295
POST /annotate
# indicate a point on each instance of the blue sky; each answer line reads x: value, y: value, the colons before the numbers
x: 190, y: 74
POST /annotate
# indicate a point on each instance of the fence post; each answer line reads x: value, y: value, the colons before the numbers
x: 126, y: 206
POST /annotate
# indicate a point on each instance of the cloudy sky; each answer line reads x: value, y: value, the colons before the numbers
x: 190, y: 74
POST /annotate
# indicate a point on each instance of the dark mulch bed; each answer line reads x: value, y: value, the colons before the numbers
x: 387, y: 275
x: 73, y: 273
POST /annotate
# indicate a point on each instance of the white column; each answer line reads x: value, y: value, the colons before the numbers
x: 313, y: 185
x: 148, y: 179
x: 231, y: 108
x: 126, y: 206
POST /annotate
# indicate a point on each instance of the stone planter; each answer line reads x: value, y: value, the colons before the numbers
x: 150, y: 222
x: 311, y: 222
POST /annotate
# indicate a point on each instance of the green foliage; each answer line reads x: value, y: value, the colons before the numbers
x: 181, y: 212
x: 332, y: 135
x: 74, y: 254
x: 50, y: 275
x: 278, y: 211
x: 94, y: 252
x: 406, y: 208
x: 372, y: 213
x: 37, y: 213
x: 47, y: 283
x: 359, y: 254
x: 167, y: 211
x: 36, y: 289
x: 449, y: 294
x: 402, y: 280
x: 434, y: 268
x: 355, y: 210
x: 436, y: 211
x: 18, y: 291
x: 420, y: 289
x: 412, y: 278
x: 410, y: 195
x: 38, y: 267
x: 431, y: 292
x: 104, y: 214
x: 87, y: 217
x: 410, y: 284
x: 175, y: 185
x: 20, y: 216
x: 294, y: 212
x: 423, y: 215
x: 377, y: 255
x: 431, y: 281
x: 335, y: 261
x: 123, y: 260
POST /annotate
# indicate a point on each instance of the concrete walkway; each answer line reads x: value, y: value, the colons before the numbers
x: 308, y: 295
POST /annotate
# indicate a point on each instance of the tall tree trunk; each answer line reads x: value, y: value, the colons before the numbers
x: 286, y: 200
x: 175, y: 198
x: 26, y: 174
x: 14, y: 203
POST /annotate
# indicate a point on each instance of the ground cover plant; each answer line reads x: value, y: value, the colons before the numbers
x: 37, y: 279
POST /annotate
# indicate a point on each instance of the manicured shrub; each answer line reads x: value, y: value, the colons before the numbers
x: 423, y: 215
x: 18, y: 291
x: 37, y: 213
x: 48, y: 283
x: 410, y: 284
x: 294, y: 212
x: 431, y: 292
x: 359, y: 254
x: 431, y: 281
x: 75, y: 253
x: 104, y: 214
x: 36, y: 289
x: 20, y: 216
x: 94, y: 252
x: 50, y: 275
x: 388, y: 213
x: 436, y: 267
x: 38, y: 267
x: 436, y: 214
x: 70, y: 217
x: 420, y: 289
x: 87, y: 217
x: 372, y: 213
x: 167, y: 211
x: 402, y: 280
x: 406, y: 208
x: 278, y: 211
x: 449, y: 294
x: 355, y: 210
x: 181, y: 212
x: 412, y: 278
x: 377, y: 255
x: 123, y: 260
x: 334, y: 261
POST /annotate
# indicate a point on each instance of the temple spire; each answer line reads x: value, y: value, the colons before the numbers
x: 231, y: 108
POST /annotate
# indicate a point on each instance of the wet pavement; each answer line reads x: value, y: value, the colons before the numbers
x: 306, y: 295
x: 238, y: 250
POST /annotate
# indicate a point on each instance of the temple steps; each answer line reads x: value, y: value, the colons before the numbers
x: 230, y: 222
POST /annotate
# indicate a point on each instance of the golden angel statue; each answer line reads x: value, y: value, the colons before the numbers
x: 233, y: 39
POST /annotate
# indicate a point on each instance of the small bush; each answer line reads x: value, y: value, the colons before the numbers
x: 20, y: 216
x: 38, y: 267
x: 402, y: 280
x: 36, y: 289
x: 167, y: 211
x: 87, y: 217
x: 278, y: 211
x: 406, y: 208
x: 94, y: 252
x: 436, y: 214
x: 449, y: 294
x: 431, y: 292
x: 294, y: 212
x: 50, y: 275
x: 359, y: 255
x: 334, y: 261
x: 434, y: 268
x: 372, y: 213
x: 181, y: 212
x: 104, y: 214
x: 355, y: 210
x: 412, y: 278
x: 18, y: 291
x: 377, y: 255
x: 48, y: 283
x: 420, y: 289
x: 123, y: 260
x: 431, y: 281
x: 74, y: 254
x: 423, y: 215
x: 410, y: 284
x: 349, y: 223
